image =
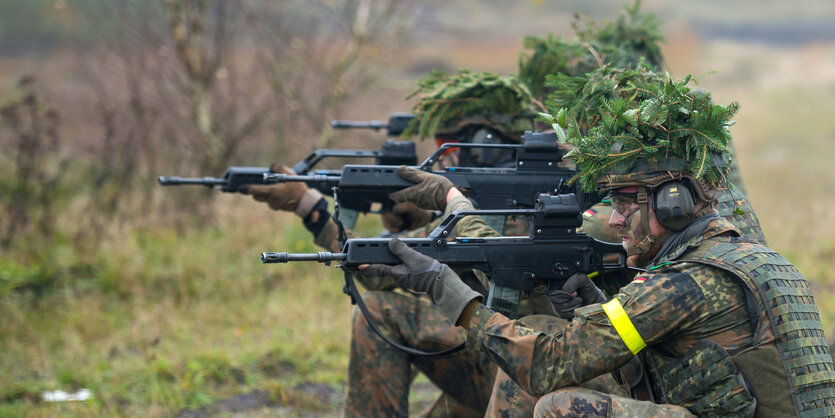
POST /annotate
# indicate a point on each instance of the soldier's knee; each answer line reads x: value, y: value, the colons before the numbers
x: 374, y: 302
x: 554, y: 404
x: 383, y: 307
x: 570, y: 402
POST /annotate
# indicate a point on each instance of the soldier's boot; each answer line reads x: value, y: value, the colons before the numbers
x: 580, y: 402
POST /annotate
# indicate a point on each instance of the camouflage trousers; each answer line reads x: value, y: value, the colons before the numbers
x: 509, y: 400
x: 581, y: 402
x: 379, y: 375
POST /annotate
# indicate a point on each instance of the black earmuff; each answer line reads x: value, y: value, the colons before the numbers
x: 674, y: 205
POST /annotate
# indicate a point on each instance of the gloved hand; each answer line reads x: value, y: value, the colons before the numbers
x: 290, y: 196
x: 577, y: 291
x: 429, y: 193
x: 423, y: 274
x: 405, y: 216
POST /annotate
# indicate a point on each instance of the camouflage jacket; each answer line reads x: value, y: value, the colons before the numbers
x: 675, y: 310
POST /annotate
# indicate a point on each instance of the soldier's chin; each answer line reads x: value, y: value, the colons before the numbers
x: 633, y: 260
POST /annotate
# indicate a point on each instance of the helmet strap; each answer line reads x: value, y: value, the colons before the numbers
x: 643, y: 247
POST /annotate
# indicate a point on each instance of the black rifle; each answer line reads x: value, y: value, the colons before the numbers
x: 392, y: 152
x: 359, y: 188
x: 540, y: 262
x: 398, y: 122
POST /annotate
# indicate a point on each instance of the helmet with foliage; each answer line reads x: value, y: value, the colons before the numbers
x: 449, y: 103
x: 651, y: 131
x: 651, y: 128
x: 581, y: 96
x: 627, y: 42
x: 551, y: 55
x: 632, y: 38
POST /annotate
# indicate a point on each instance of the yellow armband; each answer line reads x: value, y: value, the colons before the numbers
x: 628, y: 333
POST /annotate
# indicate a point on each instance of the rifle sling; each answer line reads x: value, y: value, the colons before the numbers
x: 351, y: 289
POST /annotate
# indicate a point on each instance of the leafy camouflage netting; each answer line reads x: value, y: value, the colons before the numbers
x: 449, y: 102
x: 551, y: 54
x: 633, y: 38
x: 652, y: 123
x: 581, y: 96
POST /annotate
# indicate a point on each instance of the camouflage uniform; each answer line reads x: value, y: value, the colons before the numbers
x: 379, y: 374
x: 508, y: 399
x: 685, y: 306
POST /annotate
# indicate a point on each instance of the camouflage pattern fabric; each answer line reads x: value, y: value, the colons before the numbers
x: 379, y: 375
x: 580, y: 402
x: 678, y: 307
x: 733, y: 205
x: 509, y: 400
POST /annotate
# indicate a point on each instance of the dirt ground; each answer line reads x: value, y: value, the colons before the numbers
x: 326, y: 398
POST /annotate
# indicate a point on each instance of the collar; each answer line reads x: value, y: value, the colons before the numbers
x: 715, y: 228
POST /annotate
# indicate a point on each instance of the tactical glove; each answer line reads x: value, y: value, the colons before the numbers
x: 405, y: 216
x: 429, y: 193
x: 290, y: 196
x: 577, y: 291
x: 423, y: 274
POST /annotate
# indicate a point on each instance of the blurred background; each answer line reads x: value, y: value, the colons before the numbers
x: 154, y: 299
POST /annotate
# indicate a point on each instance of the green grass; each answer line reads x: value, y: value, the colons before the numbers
x: 167, y: 322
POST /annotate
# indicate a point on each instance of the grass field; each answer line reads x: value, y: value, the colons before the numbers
x: 157, y: 319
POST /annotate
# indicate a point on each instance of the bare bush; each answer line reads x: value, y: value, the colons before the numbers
x: 185, y: 86
x: 30, y: 141
x: 319, y: 54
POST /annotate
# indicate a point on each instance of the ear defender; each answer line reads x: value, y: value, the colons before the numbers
x: 674, y: 206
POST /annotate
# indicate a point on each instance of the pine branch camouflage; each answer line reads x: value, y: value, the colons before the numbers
x: 448, y: 102
x: 581, y: 96
x: 632, y: 40
x: 652, y: 125
x: 632, y: 37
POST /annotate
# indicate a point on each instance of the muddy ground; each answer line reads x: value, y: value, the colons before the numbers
x: 304, y: 400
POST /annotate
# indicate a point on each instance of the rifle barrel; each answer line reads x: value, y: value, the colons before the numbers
x: 204, y: 181
x: 349, y: 124
x: 321, y: 257
x: 313, y: 178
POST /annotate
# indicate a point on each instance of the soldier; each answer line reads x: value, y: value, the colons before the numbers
x: 578, y: 86
x: 464, y: 107
x: 717, y: 325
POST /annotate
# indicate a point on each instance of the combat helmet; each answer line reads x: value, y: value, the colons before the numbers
x: 658, y: 135
x: 450, y: 103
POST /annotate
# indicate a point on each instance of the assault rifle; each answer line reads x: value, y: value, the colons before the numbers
x: 398, y: 122
x: 392, y: 152
x: 359, y: 188
x: 540, y: 262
